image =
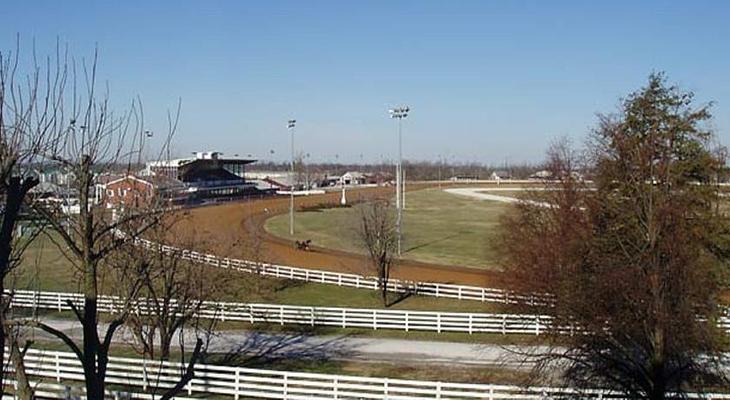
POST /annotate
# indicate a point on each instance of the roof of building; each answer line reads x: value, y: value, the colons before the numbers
x: 198, y: 156
x: 157, y: 181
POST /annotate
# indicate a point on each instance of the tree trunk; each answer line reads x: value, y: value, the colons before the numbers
x: 94, y: 386
x: 24, y: 391
x: 14, y: 195
x: 165, y: 344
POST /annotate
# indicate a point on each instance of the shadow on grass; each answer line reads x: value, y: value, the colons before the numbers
x: 443, y: 239
x: 400, y: 297
x: 289, y: 284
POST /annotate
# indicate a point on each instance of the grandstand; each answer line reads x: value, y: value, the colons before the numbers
x: 206, y: 175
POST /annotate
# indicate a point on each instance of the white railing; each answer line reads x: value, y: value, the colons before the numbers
x: 45, y: 390
x: 238, y: 382
x: 461, y: 292
x: 404, y: 320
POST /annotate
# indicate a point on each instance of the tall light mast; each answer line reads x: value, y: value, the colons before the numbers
x: 399, y: 113
x: 290, y: 126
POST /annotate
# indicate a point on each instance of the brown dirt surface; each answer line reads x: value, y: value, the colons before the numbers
x: 225, y: 229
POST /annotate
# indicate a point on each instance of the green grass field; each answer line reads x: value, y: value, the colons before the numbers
x: 439, y: 228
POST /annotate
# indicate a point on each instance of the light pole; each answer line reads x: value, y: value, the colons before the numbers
x: 290, y: 126
x: 399, y: 113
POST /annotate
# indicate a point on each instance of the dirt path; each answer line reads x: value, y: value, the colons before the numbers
x: 218, y: 226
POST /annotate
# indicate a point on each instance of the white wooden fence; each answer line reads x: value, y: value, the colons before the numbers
x: 404, y: 320
x: 461, y: 292
x: 235, y: 382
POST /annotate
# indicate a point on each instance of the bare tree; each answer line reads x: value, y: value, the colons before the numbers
x: 173, y: 291
x: 378, y: 237
x: 635, y: 263
x: 96, y: 142
x: 30, y: 119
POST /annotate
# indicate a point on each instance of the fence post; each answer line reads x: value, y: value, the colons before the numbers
x: 491, y: 392
x: 459, y: 292
x: 375, y: 320
x: 238, y: 383
x: 438, y: 322
x: 58, y: 368
x: 504, y: 324
x: 281, y: 315
x: 344, y: 318
x: 407, y: 320
x: 438, y: 390
x: 471, y: 321
x: 144, y: 374
x: 385, y: 387
x: 357, y: 281
x: 306, y: 275
x: 335, y: 384
x: 312, y: 315
x: 286, y: 386
x: 537, y: 325
x: 59, y: 302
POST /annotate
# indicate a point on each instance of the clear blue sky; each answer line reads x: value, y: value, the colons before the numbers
x: 487, y: 80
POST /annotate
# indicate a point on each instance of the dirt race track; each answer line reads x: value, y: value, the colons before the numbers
x: 234, y: 229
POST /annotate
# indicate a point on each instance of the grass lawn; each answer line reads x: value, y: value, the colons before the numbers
x: 44, y: 267
x: 439, y: 228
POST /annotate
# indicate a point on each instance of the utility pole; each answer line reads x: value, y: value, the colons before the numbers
x: 399, y: 113
x: 290, y: 126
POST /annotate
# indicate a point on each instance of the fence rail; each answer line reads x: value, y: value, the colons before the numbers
x: 434, y: 289
x: 238, y: 382
x: 404, y: 320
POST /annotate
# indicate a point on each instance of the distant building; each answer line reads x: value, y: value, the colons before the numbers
x: 353, y: 178
x: 378, y: 178
x: 330, y: 180
x: 464, y: 178
x: 500, y: 175
x: 542, y: 175
x: 131, y: 191
x: 206, y: 175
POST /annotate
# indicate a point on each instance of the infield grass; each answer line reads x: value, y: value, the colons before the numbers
x: 438, y: 227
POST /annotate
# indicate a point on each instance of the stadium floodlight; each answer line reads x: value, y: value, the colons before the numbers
x: 399, y: 113
x: 290, y: 126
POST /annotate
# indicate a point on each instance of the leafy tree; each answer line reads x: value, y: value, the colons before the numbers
x: 634, y: 261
